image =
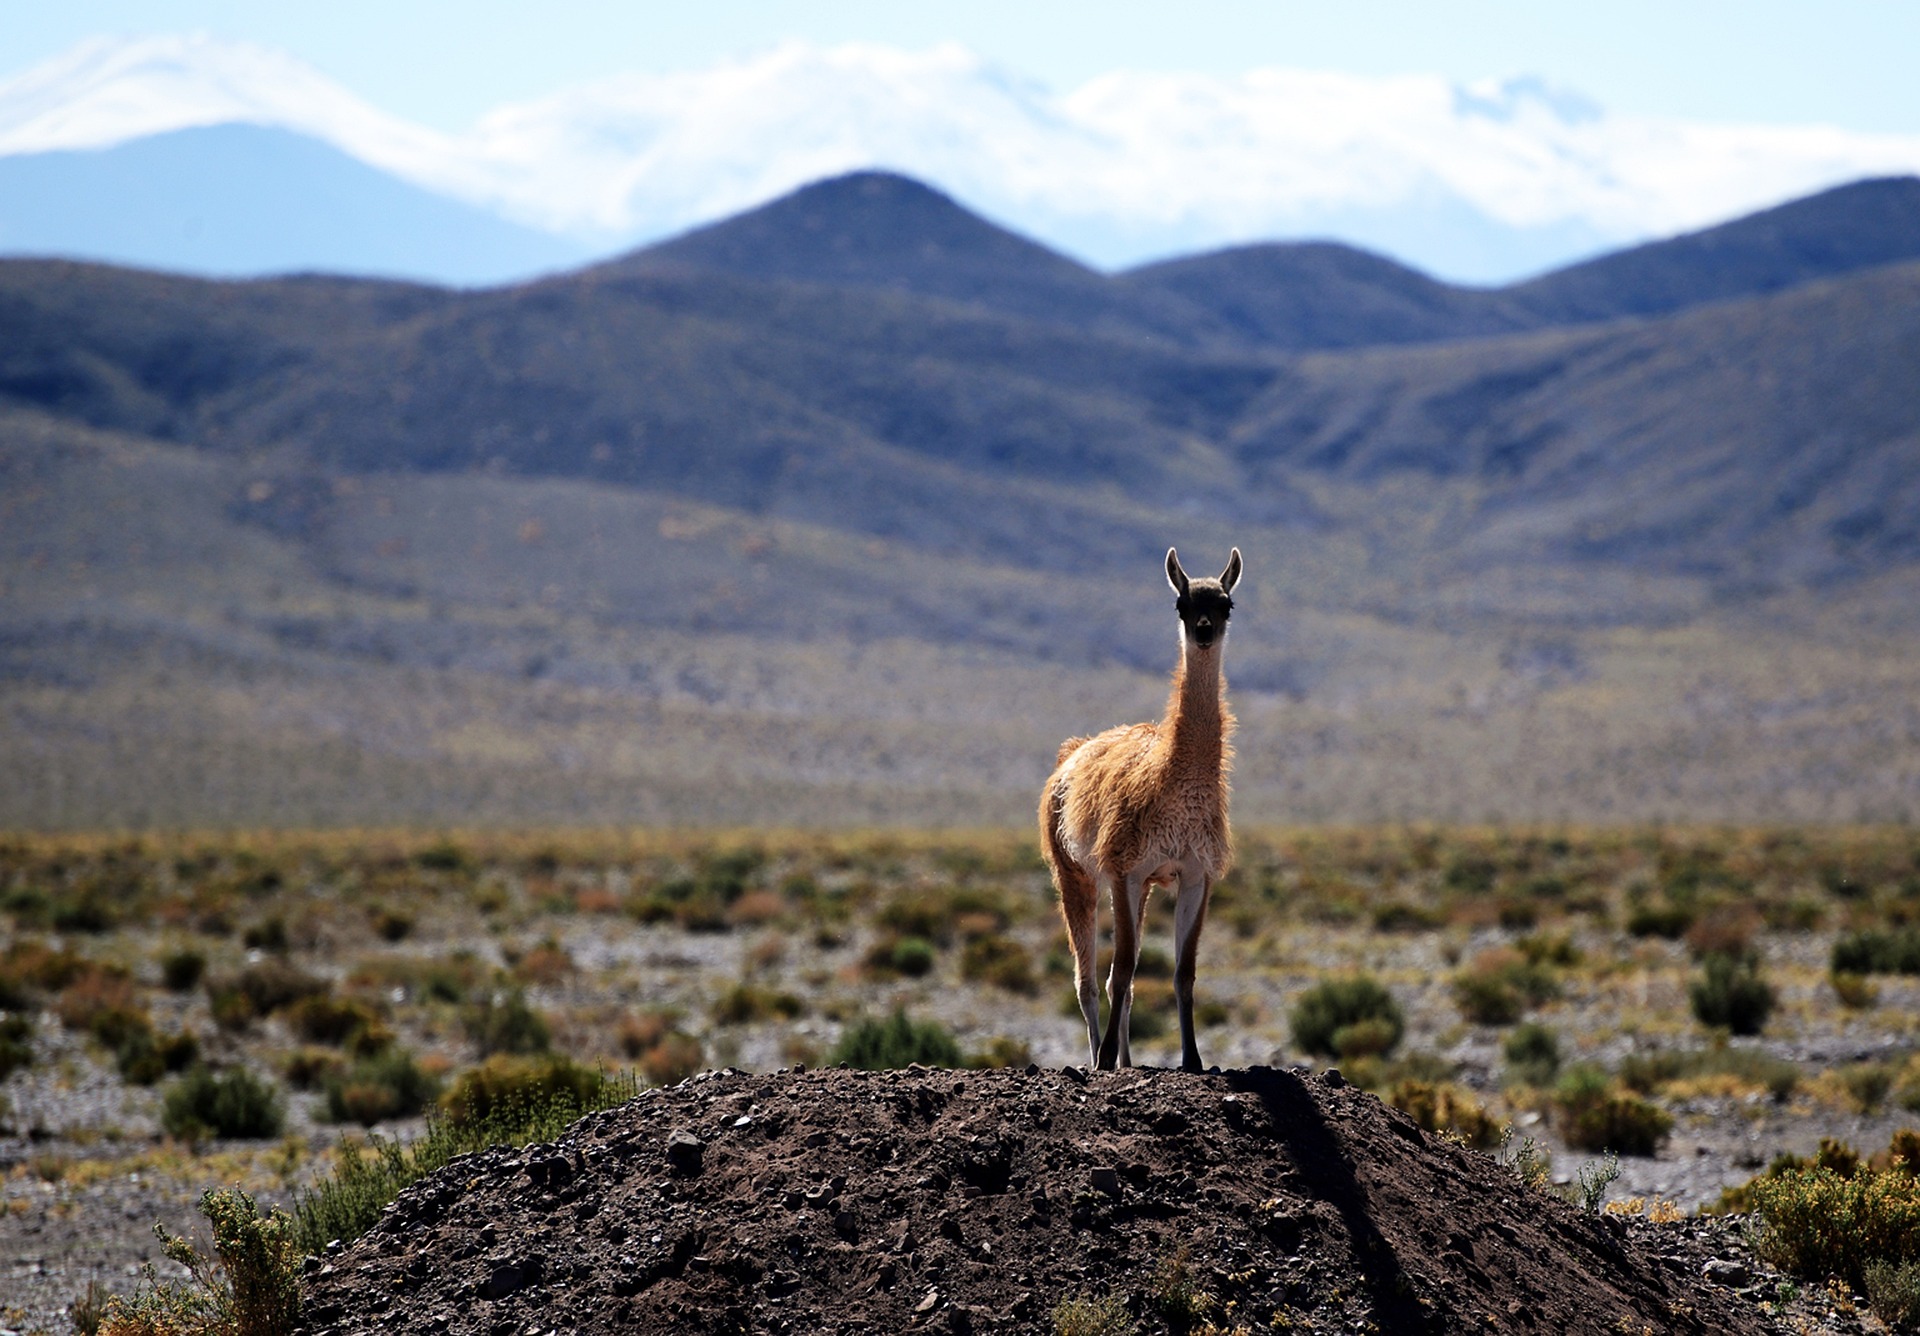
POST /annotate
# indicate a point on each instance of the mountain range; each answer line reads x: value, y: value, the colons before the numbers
x: 847, y: 508
x: 1477, y: 182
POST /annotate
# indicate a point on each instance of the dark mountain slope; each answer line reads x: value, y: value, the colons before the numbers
x: 1324, y: 295
x: 718, y: 387
x: 1320, y: 295
x: 148, y: 352
x: 1771, y: 439
x: 1838, y: 231
x: 881, y: 230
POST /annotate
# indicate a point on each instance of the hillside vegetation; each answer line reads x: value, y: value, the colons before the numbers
x: 848, y: 509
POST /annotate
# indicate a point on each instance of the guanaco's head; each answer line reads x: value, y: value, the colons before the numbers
x: 1204, y: 605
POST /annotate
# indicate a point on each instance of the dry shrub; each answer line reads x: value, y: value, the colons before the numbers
x: 97, y: 1000
x: 595, y: 900
x: 665, y: 1053
x: 756, y: 909
x: 1820, y: 1222
x: 386, y: 1085
x: 504, y: 1023
x: 255, y: 1291
x: 502, y: 1087
x: 1856, y: 992
x: 544, y: 965
x: 999, y: 960
x: 1447, y: 1107
x: 1500, y: 985
x: 764, y: 954
x: 260, y: 990
x: 1726, y: 930
x: 746, y: 1002
x: 343, y: 1022
x: 30, y: 969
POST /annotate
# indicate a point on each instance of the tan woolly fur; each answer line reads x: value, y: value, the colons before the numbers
x: 1142, y: 806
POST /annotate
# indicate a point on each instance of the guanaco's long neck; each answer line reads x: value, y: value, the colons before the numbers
x: 1197, y: 718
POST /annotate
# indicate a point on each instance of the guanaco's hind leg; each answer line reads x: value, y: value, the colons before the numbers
x: 1189, y: 916
x: 1129, y: 901
x: 1079, y: 906
x: 1079, y: 910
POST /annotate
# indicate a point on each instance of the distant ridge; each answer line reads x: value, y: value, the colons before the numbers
x: 882, y: 230
x: 1840, y: 231
x: 1305, y: 295
x: 1323, y: 295
x: 237, y: 201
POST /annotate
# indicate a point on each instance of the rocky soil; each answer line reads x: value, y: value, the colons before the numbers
x: 946, y: 1201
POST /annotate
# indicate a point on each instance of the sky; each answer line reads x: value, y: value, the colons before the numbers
x: 1480, y: 140
x: 444, y: 64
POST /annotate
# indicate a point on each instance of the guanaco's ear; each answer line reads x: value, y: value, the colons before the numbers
x: 1231, y: 575
x: 1175, y: 576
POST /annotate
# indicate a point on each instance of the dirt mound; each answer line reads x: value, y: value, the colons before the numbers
x: 948, y: 1201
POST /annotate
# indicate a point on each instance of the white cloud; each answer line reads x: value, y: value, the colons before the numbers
x: 1127, y: 164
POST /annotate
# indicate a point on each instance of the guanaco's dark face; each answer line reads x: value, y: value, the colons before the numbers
x: 1204, y: 605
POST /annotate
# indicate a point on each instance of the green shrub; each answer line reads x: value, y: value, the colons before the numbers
x: 313, y: 1068
x: 16, y: 1043
x: 1878, y: 951
x: 513, y: 1089
x: 1530, y: 1162
x: 1324, y: 1016
x: 998, y: 960
x: 1402, y: 916
x: 896, y: 1042
x: 1595, y: 1116
x: 260, y: 990
x: 346, y: 1203
x: 1822, y: 1223
x: 1001, y: 1051
x: 1659, y: 920
x: 234, y: 1103
x: 343, y: 1022
x: 390, y: 925
x: 746, y: 1002
x: 270, y: 934
x: 444, y: 856
x: 144, y: 1057
x: 1532, y: 1052
x: 911, y: 956
x: 254, y: 1292
x: 504, y: 1023
x: 181, y: 971
x: 91, y: 911
x: 388, y: 1084
x: 1593, y: 1181
x: 1893, y: 1292
x: 1730, y: 994
x: 1867, y: 1084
